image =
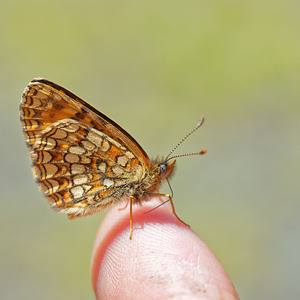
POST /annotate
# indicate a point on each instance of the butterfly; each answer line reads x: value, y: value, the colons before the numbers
x: 82, y: 160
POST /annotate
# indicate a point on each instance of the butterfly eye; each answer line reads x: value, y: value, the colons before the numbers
x: 162, y: 169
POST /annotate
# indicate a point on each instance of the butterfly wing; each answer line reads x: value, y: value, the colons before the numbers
x: 82, y: 160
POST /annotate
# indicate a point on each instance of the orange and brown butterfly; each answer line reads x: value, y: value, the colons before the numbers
x: 83, y: 161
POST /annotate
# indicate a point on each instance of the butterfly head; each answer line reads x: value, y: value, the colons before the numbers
x: 166, y: 168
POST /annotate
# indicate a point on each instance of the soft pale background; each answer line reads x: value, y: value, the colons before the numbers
x: 155, y: 67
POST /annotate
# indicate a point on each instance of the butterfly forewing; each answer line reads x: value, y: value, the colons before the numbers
x: 45, y: 102
x: 82, y: 160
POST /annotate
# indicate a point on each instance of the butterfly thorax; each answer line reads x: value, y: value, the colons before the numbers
x: 154, y: 176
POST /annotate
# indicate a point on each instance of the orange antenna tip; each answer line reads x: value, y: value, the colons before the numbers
x: 200, y: 122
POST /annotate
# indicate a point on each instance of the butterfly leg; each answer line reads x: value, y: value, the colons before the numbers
x: 172, y: 205
x: 131, y: 227
x: 122, y: 208
x: 130, y: 202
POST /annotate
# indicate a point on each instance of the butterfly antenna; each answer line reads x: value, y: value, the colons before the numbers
x: 189, y: 154
x: 183, y: 139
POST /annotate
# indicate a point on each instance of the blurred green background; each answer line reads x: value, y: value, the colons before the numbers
x: 155, y: 67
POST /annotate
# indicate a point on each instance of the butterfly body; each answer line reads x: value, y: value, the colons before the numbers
x: 83, y: 161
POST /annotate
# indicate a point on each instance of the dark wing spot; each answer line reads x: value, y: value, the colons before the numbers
x: 79, y: 115
x: 93, y: 124
x: 57, y: 106
x: 34, y: 92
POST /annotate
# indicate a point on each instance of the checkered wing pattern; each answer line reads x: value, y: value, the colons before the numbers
x: 82, y: 160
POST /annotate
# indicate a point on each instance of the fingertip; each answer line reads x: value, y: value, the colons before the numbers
x: 116, y: 226
x: 163, y: 259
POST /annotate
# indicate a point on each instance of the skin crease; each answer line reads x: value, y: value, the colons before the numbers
x: 164, y: 260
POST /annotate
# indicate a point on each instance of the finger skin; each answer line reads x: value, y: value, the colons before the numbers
x: 164, y: 260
